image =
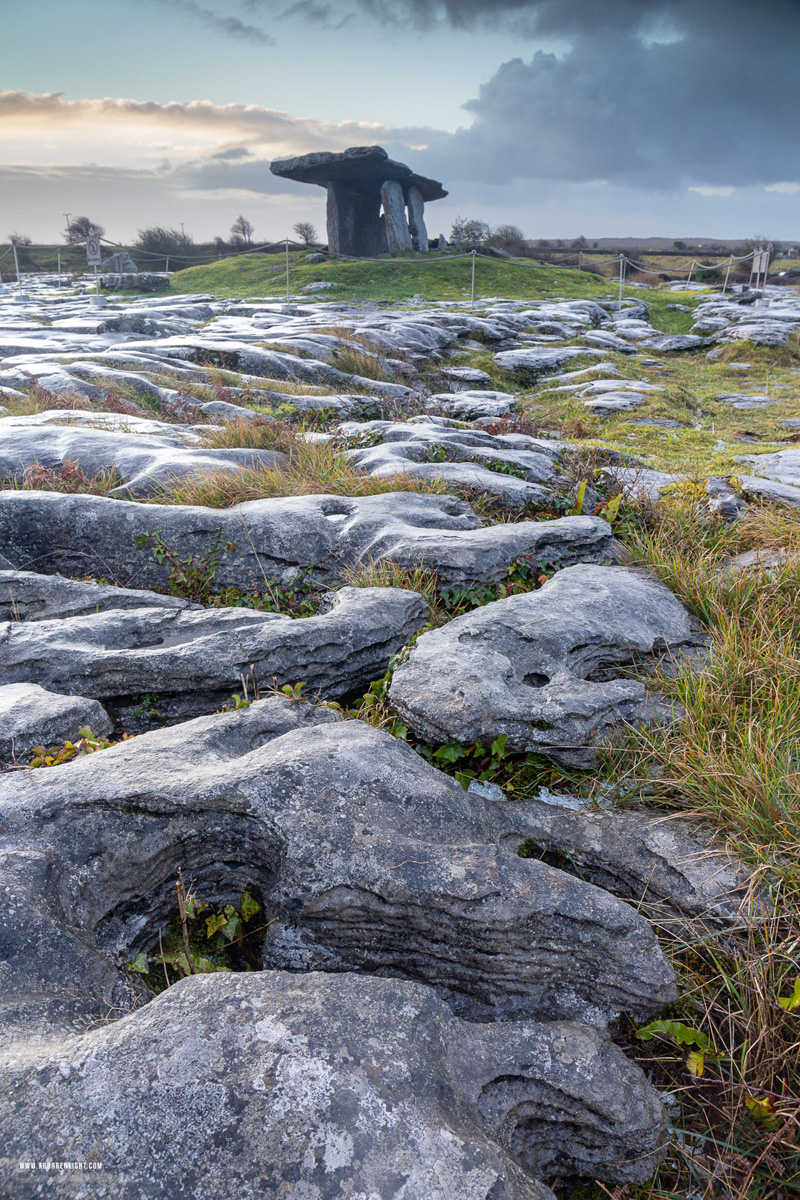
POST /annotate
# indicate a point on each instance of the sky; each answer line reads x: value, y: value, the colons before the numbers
x: 600, y: 118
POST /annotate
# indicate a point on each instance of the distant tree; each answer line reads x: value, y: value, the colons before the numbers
x: 578, y: 243
x: 24, y: 257
x: 509, y: 238
x: 81, y: 228
x: 241, y: 232
x: 469, y: 231
x: 306, y: 232
x: 158, y: 245
x: 679, y: 245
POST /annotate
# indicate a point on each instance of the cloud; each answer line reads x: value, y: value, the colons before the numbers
x: 786, y: 189
x: 229, y: 26
x: 694, y: 108
x: 713, y: 191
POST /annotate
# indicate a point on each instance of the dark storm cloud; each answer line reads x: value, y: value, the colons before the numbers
x: 651, y: 95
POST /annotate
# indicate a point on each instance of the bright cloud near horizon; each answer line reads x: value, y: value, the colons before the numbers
x: 598, y: 117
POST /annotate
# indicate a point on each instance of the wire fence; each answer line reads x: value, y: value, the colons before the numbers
x: 759, y: 257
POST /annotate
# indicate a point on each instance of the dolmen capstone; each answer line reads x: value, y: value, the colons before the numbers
x: 360, y: 183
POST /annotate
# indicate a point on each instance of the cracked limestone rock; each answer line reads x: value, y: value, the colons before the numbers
x: 29, y: 596
x: 328, y: 1086
x: 281, y: 540
x: 193, y: 661
x: 542, y: 668
x: 365, y: 858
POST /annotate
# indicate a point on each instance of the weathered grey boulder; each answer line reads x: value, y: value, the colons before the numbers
x: 192, y: 662
x: 121, y: 261
x: 139, y: 281
x: 28, y: 596
x: 364, y: 857
x: 144, y: 464
x: 335, y: 1085
x: 542, y: 668
x: 31, y: 716
x: 279, y: 540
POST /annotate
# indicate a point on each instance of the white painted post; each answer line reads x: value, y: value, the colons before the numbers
x: 59, y: 268
x: 288, y: 298
x: 96, y: 282
x: 621, y: 278
x: 16, y: 265
x: 166, y: 265
x: 691, y: 272
x: 472, y: 300
x: 727, y: 273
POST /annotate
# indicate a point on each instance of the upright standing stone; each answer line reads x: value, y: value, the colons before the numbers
x: 416, y: 219
x: 358, y: 181
x: 394, y: 209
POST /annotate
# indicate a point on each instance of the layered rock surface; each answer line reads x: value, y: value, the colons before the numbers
x: 279, y: 540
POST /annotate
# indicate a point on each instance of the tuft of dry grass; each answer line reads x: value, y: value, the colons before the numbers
x: 68, y: 478
x: 314, y: 468
x: 733, y: 760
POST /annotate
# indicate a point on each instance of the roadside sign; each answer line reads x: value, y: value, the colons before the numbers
x: 760, y: 261
x: 93, y: 256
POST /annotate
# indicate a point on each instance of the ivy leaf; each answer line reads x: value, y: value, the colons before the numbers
x: 790, y: 1003
x: 695, y: 1062
x: 232, y: 928
x: 499, y: 746
x: 141, y: 964
x: 684, y: 1035
x: 215, y: 923
x: 762, y: 1112
x: 451, y: 753
x: 249, y: 906
x: 194, y: 907
x: 204, y: 966
x: 465, y: 778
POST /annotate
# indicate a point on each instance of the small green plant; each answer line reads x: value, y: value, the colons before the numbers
x: 192, y: 577
x: 87, y: 743
x: 146, y: 706
x: 203, y: 940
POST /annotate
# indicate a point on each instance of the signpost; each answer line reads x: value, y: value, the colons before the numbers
x: 94, y: 258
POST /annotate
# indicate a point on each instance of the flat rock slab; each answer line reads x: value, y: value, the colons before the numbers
x: 758, y: 488
x: 28, y: 596
x: 743, y: 400
x: 783, y: 465
x: 541, y: 668
x: 279, y: 541
x: 473, y: 405
x: 189, y: 663
x: 540, y: 360
x: 365, y: 858
x: 144, y: 464
x: 31, y: 716
x: 611, y: 402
